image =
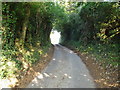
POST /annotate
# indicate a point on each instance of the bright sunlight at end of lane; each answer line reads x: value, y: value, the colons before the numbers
x: 55, y: 37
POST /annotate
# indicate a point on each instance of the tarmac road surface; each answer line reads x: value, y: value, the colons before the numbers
x: 66, y: 70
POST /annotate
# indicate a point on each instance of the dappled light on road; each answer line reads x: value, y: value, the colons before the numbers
x: 54, y: 59
x: 40, y: 76
x: 65, y: 70
x: 46, y: 75
x: 37, y: 81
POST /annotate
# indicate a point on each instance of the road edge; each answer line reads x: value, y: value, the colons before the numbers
x: 35, y: 69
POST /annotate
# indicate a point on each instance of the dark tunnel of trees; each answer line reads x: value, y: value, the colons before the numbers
x: 90, y: 27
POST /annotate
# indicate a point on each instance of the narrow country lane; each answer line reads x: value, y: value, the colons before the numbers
x: 66, y: 70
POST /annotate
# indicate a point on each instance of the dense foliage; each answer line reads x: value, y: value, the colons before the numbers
x: 93, y: 27
x: 26, y: 29
x: 90, y: 27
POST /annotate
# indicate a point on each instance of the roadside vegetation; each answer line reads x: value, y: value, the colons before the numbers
x: 26, y: 29
x: 89, y: 27
x: 93, y: 28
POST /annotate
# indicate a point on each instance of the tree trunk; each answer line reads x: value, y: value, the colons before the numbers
x: 0, y: 28
x: 0, y: 14
x: 24, y: 27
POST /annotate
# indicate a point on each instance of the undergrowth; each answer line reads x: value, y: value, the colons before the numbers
x: 107, y: 54
x: 14, y: 62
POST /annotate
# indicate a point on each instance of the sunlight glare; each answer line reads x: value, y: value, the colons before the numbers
x: 55, y: 37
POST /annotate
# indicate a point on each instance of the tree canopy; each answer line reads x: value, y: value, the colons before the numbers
x: 87, y: 26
